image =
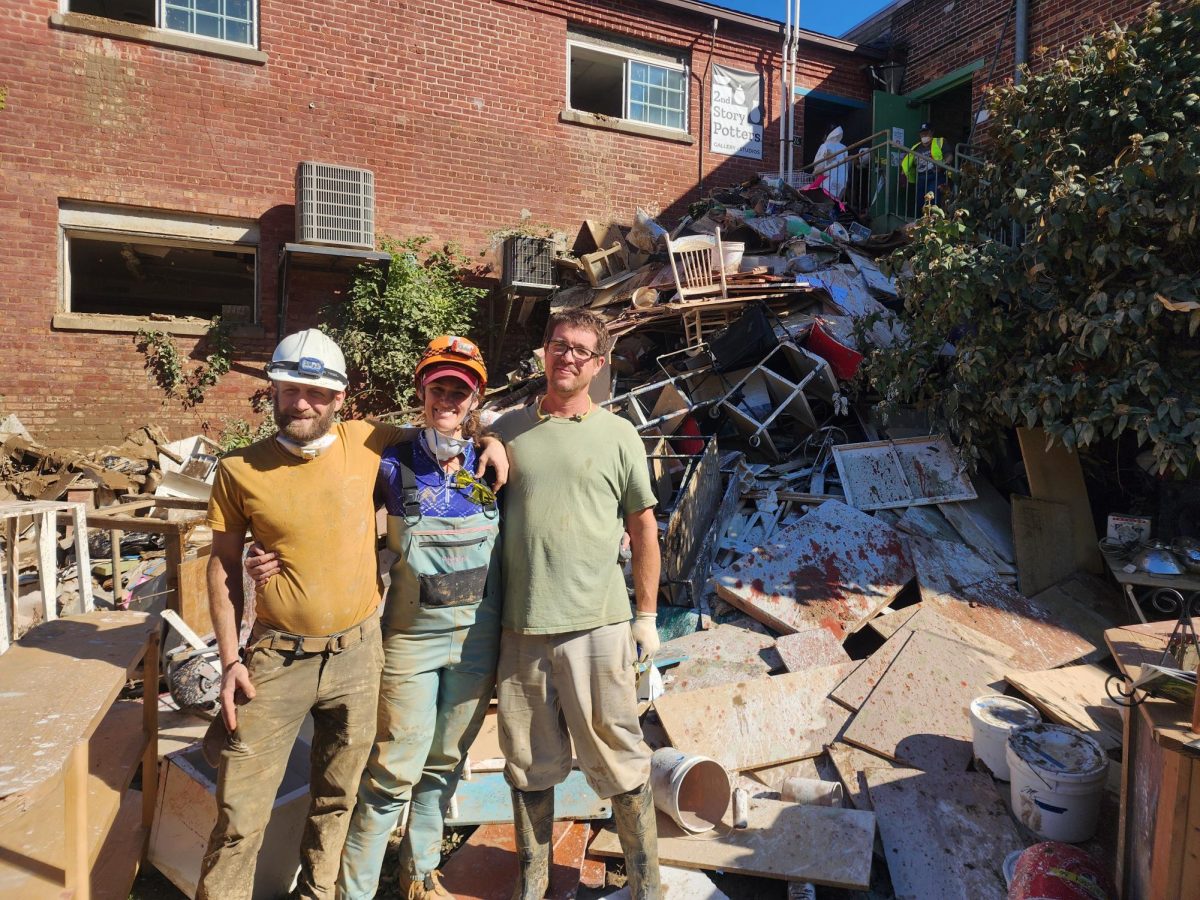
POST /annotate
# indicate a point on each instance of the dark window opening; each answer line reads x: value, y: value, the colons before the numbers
x: 139, y: 12
x: 139, y: 279
x: 597, y: 82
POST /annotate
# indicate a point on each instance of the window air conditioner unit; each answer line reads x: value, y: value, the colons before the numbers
x: 335, y: 205
x: 528, y: 265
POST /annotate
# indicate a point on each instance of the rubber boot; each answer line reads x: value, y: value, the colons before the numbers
x: 637, y: 829
x: 533, y: 816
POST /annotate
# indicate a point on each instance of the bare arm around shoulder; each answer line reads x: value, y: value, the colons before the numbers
x: 226, y: 603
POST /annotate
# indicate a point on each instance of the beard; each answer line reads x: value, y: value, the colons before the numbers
x: 303, y: 430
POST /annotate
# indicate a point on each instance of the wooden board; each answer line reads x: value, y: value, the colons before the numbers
x: 56, y: 684
x: 985, y: 523
x: 726, y: 643
x: 817, y: 844
x: 1074, y: 696
x: 890, y: 620
x: 833, y: 569
x: 698, y: 674
x: 945, y: 834
x: 930, y: 522
x: 1091, y: 605
x: 1055, y: 474
x: 918, y: 713
x: 1041, y: 528
x: 857, y: 686
x: 485, y: 867
x: 1038, y: 638
x: 486, y: 800
x: 757, y: 723
x: 811, y: 649
x: 852, y: 764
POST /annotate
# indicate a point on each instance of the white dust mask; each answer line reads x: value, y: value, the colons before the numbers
x: 444, y: 448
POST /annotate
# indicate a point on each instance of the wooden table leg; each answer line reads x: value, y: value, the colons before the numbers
x: 75, y: 834
x: 150, y: 726
x: 115, y: 555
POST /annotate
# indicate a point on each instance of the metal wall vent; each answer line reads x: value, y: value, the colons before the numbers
x: 335, y: 205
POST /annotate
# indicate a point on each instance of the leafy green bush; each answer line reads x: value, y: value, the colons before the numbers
x: 1055, y: 274
x: 384, y: 326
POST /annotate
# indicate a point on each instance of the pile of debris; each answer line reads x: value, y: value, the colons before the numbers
x: 838, y: 589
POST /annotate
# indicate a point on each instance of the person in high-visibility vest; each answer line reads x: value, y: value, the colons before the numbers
x: 918, y: 166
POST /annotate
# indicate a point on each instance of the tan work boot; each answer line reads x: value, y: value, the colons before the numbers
x: 533, y: 817
x: 637, y: 829
x: 428, y: 888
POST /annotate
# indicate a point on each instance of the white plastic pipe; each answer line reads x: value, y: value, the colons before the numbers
x: 783, y: 88
x: 794, y: 16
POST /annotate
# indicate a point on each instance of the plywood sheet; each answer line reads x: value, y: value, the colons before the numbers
x: 757, y: 723
x: 857, y: 686
x: 1038, y: 638
x: 945, y: 834
x: 700, y: 673
x: 1054, y: 473
x: 833, y: 569
x: 890, y: 620
x: 928, y: 521
x: 725, y: 643
x: 985, y: 522
x: 918, y: 712
x: 906, y: 472
x: 852, y: 764
x: 1041, y: 528
x: 1074, y: 696
x: 485, y: 867
x: 817, y: 844
x: 811, y: 649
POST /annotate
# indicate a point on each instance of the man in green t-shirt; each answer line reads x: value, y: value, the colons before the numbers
x: 578, y: 481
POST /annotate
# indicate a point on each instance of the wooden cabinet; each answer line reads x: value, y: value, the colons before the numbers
x: 70, y: 825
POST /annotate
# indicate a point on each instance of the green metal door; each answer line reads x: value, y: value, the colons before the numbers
x: 891, y: 113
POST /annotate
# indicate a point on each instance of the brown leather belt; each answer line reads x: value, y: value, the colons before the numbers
x: 302, y: 644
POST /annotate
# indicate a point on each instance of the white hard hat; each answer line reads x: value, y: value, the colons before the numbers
x: 309, y: 357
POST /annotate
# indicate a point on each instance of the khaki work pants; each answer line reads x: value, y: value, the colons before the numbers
x: 580, y: 683
x: 341, y: 690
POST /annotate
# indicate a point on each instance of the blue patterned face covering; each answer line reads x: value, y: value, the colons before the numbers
x: 443, y: 447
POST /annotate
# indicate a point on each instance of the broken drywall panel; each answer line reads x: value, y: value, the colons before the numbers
x: 1054, y: 473
x: 1074, y: 696
x: 485, y: 866
x: 857, y: 686
x: 907, y: 472
x: 811, y: 649
x: 756, y: 723
x: 918, y: 713
x: 819, y: 844
x: 726, y: 643
x: 851, y: 765
x: 1041, y: 528
x: 699, y: 673
x: 486, y: 798
x: 950, y: 586
x: 833, y: 569
x: 945, y: 834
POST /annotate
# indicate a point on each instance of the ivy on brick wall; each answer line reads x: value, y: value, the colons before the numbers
x: 1067, y: 272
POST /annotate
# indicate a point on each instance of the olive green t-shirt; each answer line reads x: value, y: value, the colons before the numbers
x: 570, y: 486
x: 319, y: 516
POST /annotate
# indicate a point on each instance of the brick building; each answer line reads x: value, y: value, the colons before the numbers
x: 149, y: 152
x: 945, y: 53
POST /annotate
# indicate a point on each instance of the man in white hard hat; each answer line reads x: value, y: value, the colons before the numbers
x: 315, y: 647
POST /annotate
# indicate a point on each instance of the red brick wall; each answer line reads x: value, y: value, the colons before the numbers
x: 940, y: 42
x: 453, y: 104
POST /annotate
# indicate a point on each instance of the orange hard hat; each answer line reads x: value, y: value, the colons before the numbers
x: 448, y: 350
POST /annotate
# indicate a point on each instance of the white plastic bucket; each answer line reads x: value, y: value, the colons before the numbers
x: 1058, y: 776
x: 692, y: 790
x: 731, y: 255
x: 993, y: 718
x: 811, y: 791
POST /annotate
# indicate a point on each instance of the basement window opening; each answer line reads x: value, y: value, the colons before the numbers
x: 627, y: 84
x: 235, y: 21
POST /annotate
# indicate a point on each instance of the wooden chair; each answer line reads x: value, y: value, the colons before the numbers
x: 698, y: 265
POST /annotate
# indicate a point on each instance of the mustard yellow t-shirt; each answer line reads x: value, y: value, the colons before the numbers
x: 318, y: 515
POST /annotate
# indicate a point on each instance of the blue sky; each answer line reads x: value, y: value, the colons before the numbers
x: 827, y: 17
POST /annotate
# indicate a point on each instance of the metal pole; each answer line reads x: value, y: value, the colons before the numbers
x: 795, y: 17
x: 783, y: 86
x: 1021, y: 42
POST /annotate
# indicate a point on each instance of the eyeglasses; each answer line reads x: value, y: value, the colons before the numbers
x: 579, y: 354
x: 479, y: 492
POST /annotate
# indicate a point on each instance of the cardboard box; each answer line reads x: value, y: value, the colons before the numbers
x: 187, y: 810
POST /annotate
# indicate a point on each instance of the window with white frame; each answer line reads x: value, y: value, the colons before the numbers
x: 121, y: 261
x: 626, y: 82
x: 235, y: 21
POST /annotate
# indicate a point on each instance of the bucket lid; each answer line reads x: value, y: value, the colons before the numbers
x: 1066, y: 753
x: 1004, y: 712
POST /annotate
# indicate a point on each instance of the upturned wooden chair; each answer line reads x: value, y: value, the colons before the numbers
x: 698, y: 265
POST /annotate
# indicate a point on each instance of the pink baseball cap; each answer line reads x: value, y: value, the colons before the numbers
x: 464, y: 375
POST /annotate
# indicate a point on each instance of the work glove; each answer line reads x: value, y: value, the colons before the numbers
x: 645, y: 635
